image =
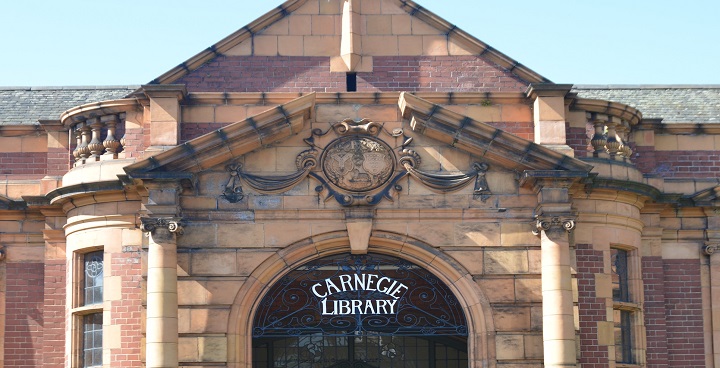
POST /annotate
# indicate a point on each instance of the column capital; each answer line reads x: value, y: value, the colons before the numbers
x: 711, y: 247
x: 171, y: 224
x: 545, y: 223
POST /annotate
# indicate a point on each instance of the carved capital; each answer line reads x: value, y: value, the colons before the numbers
x: 172, y: 224
x: 711, y: 248
x: 547, y: 223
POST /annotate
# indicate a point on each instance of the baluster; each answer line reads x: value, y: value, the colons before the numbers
x: 598, y: 140
x: 613, y: 144
x: 96, y: 146
x: 110, y: 143
x: 76, y: 152
x: 83, y: 150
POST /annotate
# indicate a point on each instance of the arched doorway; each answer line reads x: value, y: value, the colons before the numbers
x: 359, y: 311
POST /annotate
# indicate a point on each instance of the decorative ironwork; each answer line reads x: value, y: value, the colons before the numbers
x: 150, y: 224
x: 303, y: 303
x: 545, y: 224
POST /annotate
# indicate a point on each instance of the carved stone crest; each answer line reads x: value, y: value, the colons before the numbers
x: 357, y: 168
x: 358, y: 163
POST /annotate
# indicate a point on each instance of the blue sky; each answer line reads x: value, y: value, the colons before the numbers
x: 114, y: 42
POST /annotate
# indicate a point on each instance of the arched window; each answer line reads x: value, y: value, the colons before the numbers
x: 359, y: 311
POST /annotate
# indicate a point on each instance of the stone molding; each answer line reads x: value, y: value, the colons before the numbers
x: 545, y: 223
x: 172, y: 224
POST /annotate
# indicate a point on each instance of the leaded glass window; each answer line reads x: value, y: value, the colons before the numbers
x: 93, y: 276
x: 92, y: 340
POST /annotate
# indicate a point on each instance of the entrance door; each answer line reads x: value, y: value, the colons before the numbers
x: 356, y: 311
x: 371, y: 350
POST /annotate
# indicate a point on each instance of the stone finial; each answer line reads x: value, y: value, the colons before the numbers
x: 172, y: 224
x: 546, y: 223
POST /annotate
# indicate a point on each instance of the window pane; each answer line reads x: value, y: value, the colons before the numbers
x: 92, y: 340
x: 619, y: 275
x: 623, y: 344
x: 93, y: 269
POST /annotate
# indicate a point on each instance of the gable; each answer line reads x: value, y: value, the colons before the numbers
x: 391, y: 45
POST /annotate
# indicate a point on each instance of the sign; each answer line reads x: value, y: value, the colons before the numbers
x: 371, y: 287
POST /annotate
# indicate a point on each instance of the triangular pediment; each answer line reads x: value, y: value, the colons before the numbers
x: 483, y: 140
x: 480, y: 140
x: 350, y: 33
x: 227, y: 143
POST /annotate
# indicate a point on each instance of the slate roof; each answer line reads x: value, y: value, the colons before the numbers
x: 673, y: 103
x: 699, y: 104
x: 27, y: 105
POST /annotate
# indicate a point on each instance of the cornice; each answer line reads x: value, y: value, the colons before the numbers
x: 622, y: 111
x: 95, y: 109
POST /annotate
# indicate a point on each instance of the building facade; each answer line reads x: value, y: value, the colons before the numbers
x: 359, y: 183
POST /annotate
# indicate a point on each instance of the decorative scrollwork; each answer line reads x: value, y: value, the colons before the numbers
x: 364, y: 126
x: 448, y: 182
x: 545, y: 224
x: 711, y: 248
x: 172, y: 224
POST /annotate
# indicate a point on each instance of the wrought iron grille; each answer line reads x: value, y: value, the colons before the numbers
x: 426, y: 308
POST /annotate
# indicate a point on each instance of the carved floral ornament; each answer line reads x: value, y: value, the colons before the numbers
x: 357, y: 168
x: 547, y: 223
x: 172, y: 224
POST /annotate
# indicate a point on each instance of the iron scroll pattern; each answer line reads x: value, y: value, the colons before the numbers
x: 427, y: 308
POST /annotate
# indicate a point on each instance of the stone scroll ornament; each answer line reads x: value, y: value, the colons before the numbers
x: 148, y: 225
x: 356, y: 169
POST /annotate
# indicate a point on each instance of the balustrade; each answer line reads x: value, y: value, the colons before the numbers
x: 96, y: 138
x: 610, y: 137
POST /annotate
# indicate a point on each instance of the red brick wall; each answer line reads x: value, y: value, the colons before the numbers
x: 592, y: 309
x: 193, y: 130
x: 655, y: 324
x: 678, y: 164
x: 579, y: 140
x: 26, y: 165
x: 24, y: 315
x: 683, y: 313
x: 54, y: 314
x: 127, y: 313
x: 390, y: 73
x: 438, y: 74
x: 58, y: 161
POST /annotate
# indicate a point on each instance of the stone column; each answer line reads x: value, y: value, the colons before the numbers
x: 554, y: 222
x: 162, y: 296
x: 557, y: 294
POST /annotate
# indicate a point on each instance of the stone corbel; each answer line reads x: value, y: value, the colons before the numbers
x: 711, y: 247
x: 172, y: 224
x: 547, y: 223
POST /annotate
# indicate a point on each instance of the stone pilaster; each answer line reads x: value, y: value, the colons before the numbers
x: 712, y: 249
x: 165, y: 115
x: 549, y: 115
